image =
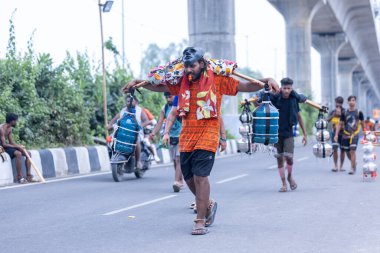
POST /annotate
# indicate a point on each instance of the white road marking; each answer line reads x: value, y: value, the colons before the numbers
x: 139, y: 205
x: 302, y: 158
x: 273, y: 167
x: 231, y: 178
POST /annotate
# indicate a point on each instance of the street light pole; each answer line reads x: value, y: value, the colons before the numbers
x: 122, y: 32
x: 104, y: 8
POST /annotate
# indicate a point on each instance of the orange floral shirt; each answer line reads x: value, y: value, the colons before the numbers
x: 203, y: 134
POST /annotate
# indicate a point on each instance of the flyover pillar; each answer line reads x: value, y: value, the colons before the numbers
x: 328, y: 45
x: 362, y: 99
x: 345, y: 70
x: 298, y: 15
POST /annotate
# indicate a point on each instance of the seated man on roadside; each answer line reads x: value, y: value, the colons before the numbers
x: 14, y: 150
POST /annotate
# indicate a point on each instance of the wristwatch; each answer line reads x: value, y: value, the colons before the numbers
x: 222, y: 139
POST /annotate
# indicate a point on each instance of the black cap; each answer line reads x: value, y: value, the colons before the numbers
x: 192, y: 54
x: 167, y: 93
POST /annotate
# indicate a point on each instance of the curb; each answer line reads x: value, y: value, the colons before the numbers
x: 73, y: 161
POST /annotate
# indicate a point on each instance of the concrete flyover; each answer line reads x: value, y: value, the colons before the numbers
x: 344, y: 33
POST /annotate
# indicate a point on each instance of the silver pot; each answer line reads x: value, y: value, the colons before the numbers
x: 322, y: 150
x: 321, y: 124
x: 244, y: 130
x: 324, y: 133
x: 369, y: 158
x: 370, y: 137
x: 369, y: 167
x: 242, y: 145
x: 368, y: 148
x: 245, y: 118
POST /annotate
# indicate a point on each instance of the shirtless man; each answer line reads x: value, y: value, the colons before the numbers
x: 14, y: 150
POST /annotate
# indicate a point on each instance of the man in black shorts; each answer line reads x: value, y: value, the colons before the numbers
x: 14, y: 150
x: 350, y: 122
x: 287, y: 102
x: 334, y: 119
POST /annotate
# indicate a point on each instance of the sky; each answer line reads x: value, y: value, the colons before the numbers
x: 74, y: 25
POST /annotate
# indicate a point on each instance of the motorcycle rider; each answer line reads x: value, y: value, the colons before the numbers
x: 142, y: 120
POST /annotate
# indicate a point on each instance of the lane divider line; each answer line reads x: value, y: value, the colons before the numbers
x: 231, y: 178
x: 139, y: 205
x: 302, y: 158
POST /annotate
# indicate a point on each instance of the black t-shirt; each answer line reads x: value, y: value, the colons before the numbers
x: 351, y: 120
x: 288, y: 110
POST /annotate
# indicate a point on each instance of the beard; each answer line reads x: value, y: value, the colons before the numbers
x: 194, y: 77
x: 170, y: 103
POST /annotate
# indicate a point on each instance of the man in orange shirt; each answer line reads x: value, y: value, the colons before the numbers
x: 200, y: 95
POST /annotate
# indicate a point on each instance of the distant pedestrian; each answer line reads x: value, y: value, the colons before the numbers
x: 334, y: 118
x: 350, y: 121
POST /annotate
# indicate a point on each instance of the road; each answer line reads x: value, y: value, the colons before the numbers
x: 329, y: 212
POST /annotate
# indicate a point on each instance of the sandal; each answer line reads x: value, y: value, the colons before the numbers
x: 334, y: 170
x: 199, y: 230
x: 211, y: 212
x: 293, y: 186
x: 283, y: 189
x: 31, y: 179
x: 22, y: 181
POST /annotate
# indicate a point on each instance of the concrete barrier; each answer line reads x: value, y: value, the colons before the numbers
x: 62, y: 162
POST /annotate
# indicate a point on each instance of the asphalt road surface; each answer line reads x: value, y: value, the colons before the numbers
x: 329, y: 212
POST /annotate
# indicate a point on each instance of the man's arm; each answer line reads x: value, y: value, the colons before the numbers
x: 149, y: 86
x: 246, y: 86
x: 169, y: 124
x: 222, y: 135
x: 159, y: 124
x: 113, y: 121
x: 302, y: 125
x: 144, y: 119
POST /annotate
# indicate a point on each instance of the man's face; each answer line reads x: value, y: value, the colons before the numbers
x: 352, y: 102
x: 128, y: 101
x: 169, y: 99
x: 194, y: 70
x: 13, y: 123
x: 286, y: 90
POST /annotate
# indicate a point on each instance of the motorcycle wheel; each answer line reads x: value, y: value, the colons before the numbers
x: 117, y: 171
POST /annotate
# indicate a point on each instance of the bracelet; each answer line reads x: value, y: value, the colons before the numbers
x: 222, y: 139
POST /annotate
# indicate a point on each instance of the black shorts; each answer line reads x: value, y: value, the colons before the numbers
x: 345, y: 144
x: 199, y: 163
x: 10, y: 152
x: 337, y: 144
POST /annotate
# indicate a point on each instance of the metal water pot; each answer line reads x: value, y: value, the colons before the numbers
x: 322, y: 135
x: 244, y: 130
x: 369, y: 158
x: 370, y: 137
x: 321, y: 124
x: 243, y: 145
x: 369, y: 167
x: 368, y: 148
x: 322, y: 150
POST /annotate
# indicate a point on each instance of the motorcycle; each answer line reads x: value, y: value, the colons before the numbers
x: 126, y: 163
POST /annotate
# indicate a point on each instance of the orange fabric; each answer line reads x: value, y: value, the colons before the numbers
x: 205, y: 96
x: 204, y: 133
x: 148, y: 114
